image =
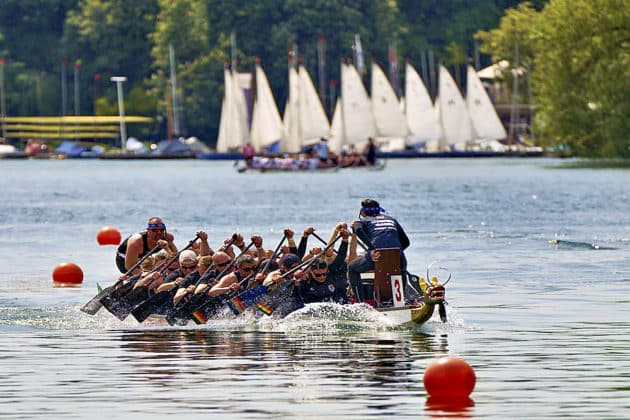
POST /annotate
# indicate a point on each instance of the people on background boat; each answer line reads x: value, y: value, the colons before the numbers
x: 140, y: 244
x: 308, y: 160
x: 248, y: 153
x: 376, y: 231
x: 370, y: 152
x: 322, y: 150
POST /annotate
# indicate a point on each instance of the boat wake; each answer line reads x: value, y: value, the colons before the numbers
x: 563, y: 244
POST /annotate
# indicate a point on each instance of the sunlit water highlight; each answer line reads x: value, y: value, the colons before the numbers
x: 538, y: 304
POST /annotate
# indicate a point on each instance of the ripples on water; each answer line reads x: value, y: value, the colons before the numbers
x: 538, y: 304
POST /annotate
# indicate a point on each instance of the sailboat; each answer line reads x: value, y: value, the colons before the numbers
x: 233, y: 126
x: 389, y: 119
x: 305, y: 121
x: 485, y: 121
x: 267, y: 131
x: 422, y: 116
x: 353, y: 120
x: 456, y: 125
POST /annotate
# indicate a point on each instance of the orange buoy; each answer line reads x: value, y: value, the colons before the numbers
x: 68, y: 273
x: 108, y: 236
x: 449, y: 377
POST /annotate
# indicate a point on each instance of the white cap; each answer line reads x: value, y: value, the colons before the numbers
x: 187, y: 255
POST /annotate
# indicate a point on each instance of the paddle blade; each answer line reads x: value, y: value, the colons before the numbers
x: 94, y: 305
x: 199, y: 317
x: 266, y: 309
x: 237, y: 305
x: 442, y: 311
x: 147, y: 308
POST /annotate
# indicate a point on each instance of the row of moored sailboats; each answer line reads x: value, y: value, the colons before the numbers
x: 452, y: 122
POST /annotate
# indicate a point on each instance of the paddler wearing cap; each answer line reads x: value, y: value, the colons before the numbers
x: 140, y: 244
x: 376, y: 231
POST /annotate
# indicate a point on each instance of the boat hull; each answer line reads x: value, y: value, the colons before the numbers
x: 409, y: 315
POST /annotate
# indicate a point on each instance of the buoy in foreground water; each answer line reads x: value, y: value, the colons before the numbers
x: 449, y: 377
x: 68, y: 273
x: 108, y: 236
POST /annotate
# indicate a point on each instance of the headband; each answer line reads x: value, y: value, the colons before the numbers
x: 156, y: 226
x: 372, y: 209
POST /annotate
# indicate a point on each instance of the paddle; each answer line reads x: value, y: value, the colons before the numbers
x: 188, y: 308
x: 148, y: 307
x: 122, y: 307
x: 212, y: 306
x: 185, y: 305
x: 239, y: 303
x: 93, y: 306
x: 272, y: 300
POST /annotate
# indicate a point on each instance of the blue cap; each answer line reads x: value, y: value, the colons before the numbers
x: 289, y: 259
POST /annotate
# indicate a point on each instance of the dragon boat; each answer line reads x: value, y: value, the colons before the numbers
x: 406, y: 300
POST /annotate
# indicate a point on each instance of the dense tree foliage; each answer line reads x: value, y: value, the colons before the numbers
x: 567, y: 45
x: 577, y: 54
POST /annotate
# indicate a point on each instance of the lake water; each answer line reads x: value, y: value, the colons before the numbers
x: 538, y: 304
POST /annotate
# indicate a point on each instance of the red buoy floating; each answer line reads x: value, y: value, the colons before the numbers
x: 68, y: 272
x: 449, y: 378
x: 108, y: 236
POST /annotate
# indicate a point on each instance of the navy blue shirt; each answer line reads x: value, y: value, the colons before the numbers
x: 381, y: 231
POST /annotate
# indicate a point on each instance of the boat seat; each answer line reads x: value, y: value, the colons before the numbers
x: 377, y: 283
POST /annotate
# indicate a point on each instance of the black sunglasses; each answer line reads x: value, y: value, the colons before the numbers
x: 188, y: 267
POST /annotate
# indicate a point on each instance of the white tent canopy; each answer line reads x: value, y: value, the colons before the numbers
x: 494, y: 71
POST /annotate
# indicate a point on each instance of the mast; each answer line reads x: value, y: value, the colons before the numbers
x: 171, y: 55
x: 514, y: 106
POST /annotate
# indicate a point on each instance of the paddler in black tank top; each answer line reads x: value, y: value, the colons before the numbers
x: 139, y: 244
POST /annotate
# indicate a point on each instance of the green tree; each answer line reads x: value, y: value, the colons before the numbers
x: 582, y: 76
x: 110, y: 37
x: 185, y: 25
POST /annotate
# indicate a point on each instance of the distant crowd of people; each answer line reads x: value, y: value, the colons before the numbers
x: 316, y: 156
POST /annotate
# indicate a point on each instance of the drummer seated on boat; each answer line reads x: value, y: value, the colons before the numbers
x: 140, y: 244
x: 376, y: 231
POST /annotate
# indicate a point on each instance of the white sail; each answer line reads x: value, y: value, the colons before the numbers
x: 422, y: 117
x: 313, y: 120
x: 390, y: 121
x: 291, y: 121
x: 222, y: 139
x: 305, y: 120
x: 483, y: 115
x: 356, y: 110
x: 456, y: 125
x: 233, y: 132
x: 266, y: 123
x: 240, y: 83
x: 336, y: 139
